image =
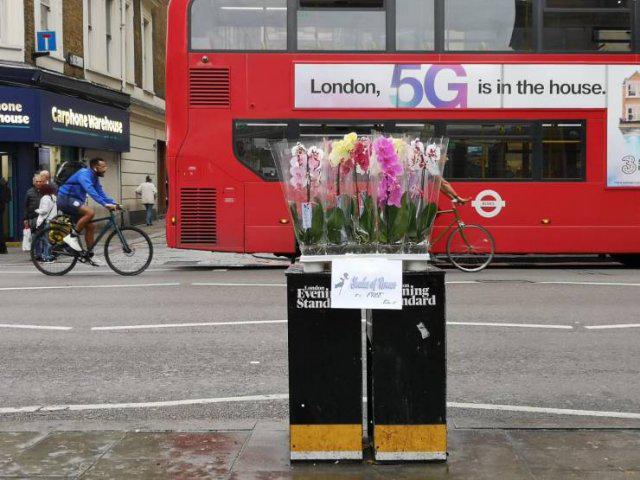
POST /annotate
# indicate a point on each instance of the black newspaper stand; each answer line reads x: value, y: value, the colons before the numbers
x: 325, y: 371
x: 406, y: 372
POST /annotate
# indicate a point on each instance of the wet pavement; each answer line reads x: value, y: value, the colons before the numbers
x: 261, y: 453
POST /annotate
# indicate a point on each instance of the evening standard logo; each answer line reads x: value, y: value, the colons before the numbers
x: 417, y: 296
x: 313, y: 297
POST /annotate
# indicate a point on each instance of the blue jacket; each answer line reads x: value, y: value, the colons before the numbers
x: 84, y: 182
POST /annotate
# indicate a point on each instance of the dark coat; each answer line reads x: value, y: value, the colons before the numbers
x: 32, y: 202
x: 5, y: 193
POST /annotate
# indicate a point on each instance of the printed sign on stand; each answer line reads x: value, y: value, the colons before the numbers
x: 366, y: 283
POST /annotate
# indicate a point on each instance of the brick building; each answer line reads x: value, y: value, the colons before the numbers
x: 100, y: 92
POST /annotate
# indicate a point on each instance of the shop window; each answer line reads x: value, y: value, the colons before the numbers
x: 415, y: 25
x: 489, y: 151
x: 587, y: 25
x: 563, y: 151
x: 341, y: 25
x: 239, y: 25
x: 478, y: 25
x: 251, y: 142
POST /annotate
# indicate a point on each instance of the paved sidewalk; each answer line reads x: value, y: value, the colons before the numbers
x: 261, y: 452
x: 168, y: 257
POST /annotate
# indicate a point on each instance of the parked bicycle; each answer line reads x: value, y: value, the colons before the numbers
x: 470, y: 248
x: 127, y: 250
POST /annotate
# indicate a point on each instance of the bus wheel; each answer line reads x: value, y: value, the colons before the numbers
x: 628, y: 259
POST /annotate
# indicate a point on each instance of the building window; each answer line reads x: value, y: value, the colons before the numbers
x: 45, y: 15
x: 3, y: 22
x: 129, y: 43
x: 415, y: 25
x: 563, y: 151
x: 591, y: 25
x: 489, y: 151
x: 251, y: 142
x: 147, y: 52
x: 478, y: 25
x: 239, y: 25
x: 90, y: 34
x: 108, y: 5
x: 338, y: 25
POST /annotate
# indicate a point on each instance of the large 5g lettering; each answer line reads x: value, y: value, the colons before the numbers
x: 428, y: 88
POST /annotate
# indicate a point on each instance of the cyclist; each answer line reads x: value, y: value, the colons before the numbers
x: 72, y: 197
x: 447, y: 189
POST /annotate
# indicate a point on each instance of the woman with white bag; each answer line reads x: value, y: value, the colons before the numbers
x: 47, y: 211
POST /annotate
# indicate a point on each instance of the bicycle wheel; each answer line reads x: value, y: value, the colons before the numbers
x: 470, y: 248
x: 50, y: 254
x: 131, y: 257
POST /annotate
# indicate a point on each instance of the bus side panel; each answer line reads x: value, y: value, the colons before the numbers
x: 268, y: 223
x: 210, y: 207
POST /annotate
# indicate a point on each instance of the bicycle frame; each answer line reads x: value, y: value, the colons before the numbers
x: 456, y: 220
x: 110, y: 225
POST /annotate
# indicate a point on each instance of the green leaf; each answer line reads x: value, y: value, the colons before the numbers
x: 425, y: 220
x: 336, y: 222
x: 400, y: 223
x: 317, y: 223
x: 412, y: 229
x: 368, y: 218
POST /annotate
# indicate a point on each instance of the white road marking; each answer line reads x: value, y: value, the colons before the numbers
x: 606, y: 327
x: 182, y: 325
x: 599, y: 284
x: 552, y: 411
x: 34, y: 327
x: 284, y: 396
x: 118, y: 406
x: 220, y: 284
x: 518, y: 325
x: 73, y: 287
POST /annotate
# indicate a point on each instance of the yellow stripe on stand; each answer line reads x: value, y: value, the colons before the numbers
x: 410, y: 438
x: 326, y: 438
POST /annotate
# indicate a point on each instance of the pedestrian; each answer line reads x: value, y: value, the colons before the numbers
x: 32, y: 203
x: 47, y: 211
x: 147, y: 190
x: 46, y: 178
x: 5, y: 198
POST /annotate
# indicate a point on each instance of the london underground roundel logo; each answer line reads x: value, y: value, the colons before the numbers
x: 488, y: 203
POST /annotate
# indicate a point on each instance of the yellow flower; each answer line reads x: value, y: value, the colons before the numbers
x: 338, y: 152
x: 350, y: 141
x: 400, y: 146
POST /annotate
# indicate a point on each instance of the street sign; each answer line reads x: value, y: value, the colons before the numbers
x: 46, y: 41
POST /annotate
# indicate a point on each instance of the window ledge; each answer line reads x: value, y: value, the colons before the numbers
x: 17, y: 48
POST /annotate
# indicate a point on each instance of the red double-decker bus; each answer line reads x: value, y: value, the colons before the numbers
x: 540, y: 100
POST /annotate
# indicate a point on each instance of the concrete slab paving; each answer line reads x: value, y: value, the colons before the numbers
x: 261, y: 453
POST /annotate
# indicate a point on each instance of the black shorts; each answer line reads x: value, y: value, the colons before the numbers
x: 69, y: 206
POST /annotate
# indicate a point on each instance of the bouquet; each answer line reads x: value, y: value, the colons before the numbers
x: 300, y: 169
x: 392, y: 201
x: 424, y: 165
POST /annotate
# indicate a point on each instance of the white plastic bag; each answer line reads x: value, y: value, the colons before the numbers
x: 26, y: 240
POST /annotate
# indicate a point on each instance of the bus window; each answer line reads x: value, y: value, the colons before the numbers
x: 336, y: 130
x: 239, y: 25
x: 489, y: 151
x: 478, y: 25
x: 342, y: 26
x: 424, y: 131
x: 251, y: 146
x: 415, y: 25
x: 563, y: 151
x: 587, y: 25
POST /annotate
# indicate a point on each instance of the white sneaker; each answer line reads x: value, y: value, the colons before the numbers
x: 72, y: 242
x: 95, y: 262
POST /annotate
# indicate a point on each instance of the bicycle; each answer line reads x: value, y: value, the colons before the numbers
x: 127, y: 250
x: 470, y: 248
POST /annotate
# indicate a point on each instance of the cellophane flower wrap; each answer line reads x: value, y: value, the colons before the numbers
x: 391, y: 195
x: 424, y: 164
x: 339, y: 199
x: 300, y: 168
